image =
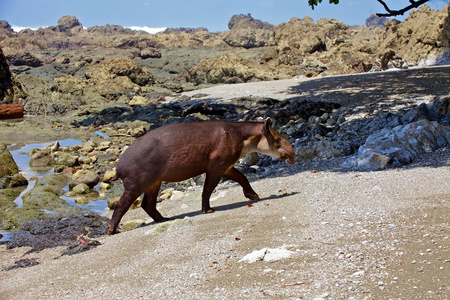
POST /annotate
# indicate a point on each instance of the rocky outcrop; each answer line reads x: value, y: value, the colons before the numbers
x: 23, y: 59
x: 6, y: 81
x: 247, y: 22
x: 10, y: 89
x: 67, y: 67
x: 7, y: 164
x: 422, y: 38
x: 67, y: 23
x: 111, y: 68
x: 400, y: 145
x: 229, y: 68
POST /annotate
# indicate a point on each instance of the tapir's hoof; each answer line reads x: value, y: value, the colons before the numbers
x: 111, y: 232
x: 253, y: 197
x: 208, y: 210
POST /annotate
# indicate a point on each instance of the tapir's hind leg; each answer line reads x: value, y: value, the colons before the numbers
x: 235, y: 175
x: 149, y: 203
x: 211, y: 181
x: 120, y: 209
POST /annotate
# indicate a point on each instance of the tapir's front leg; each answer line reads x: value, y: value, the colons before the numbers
x: 235, y: 175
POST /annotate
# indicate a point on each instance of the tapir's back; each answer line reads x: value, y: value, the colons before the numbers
x: 179, y: 151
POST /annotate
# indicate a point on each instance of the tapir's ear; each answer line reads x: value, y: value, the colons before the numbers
x: 267, y: 124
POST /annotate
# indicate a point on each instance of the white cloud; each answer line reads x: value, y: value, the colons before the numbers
x: 148, y: 29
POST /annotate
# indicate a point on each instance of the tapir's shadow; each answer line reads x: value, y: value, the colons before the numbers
x: 229, y: 206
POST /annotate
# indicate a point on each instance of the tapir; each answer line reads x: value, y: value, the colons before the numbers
x: 180, y: 151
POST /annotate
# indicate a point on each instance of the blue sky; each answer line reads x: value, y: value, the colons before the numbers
x: 211, y: 14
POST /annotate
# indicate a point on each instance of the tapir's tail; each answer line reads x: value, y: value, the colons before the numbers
x: 116, y: 177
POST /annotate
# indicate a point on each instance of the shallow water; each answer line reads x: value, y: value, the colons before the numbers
x: 22, y: 160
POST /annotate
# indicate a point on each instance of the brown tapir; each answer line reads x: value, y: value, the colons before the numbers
x: 180, y: 151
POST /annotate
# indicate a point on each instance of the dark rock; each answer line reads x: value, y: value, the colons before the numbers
x: 150, y: 53
x: 59, y: 231
x: 23, y: 263
x: 24, y: 59
x: 439, y: 109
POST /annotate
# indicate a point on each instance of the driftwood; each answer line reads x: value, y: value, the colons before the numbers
x: 11, y: 111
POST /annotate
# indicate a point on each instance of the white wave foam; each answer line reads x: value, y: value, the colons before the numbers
x: 150, y: 30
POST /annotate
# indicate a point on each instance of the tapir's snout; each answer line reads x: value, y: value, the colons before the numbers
x: 287, y: 153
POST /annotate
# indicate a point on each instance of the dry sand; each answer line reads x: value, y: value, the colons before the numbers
x: 357, y: 235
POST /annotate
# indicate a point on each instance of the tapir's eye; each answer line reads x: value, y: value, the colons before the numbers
x: 277, y: 143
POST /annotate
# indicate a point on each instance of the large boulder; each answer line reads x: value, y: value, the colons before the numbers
x: 228, y: 68
x: 249, y: 38
x: 422, y: 38
x: 24, y: 58
x: 111, y: 68
x: 89, y: 178
x: 7, y: 164
x: 400, y: 145
x: 66, y: 23
x: 247, y: 22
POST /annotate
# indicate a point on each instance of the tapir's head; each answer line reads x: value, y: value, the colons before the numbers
x: 274, y: 144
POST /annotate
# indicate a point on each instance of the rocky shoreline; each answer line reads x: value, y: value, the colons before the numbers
x: 361, y: 214
x: 368, y: 135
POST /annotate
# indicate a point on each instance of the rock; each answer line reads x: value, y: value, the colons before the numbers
x: 81, y: 188
x: 150, y: 53
x: 115, y: 68
x: 228, y: 66
x: 170, y: 225
x: 177, y: 195
x: 66, y: 23
x: 132, y: 224
x: 439, y: 109
x: 67, y: 159
x: 104, y: 145
x: 45, y: 195
x: 42, y: 158
x: 12, y: 181
x: 89, y: 146
x: 109, y: 174
x: 90, y: 178
x: 7, y: 164
x: 247, y: 22
x: 81, y: 200
x: 166, y: 194
x: 11, y: 111
x: 112, y: 202
x: 24, y: 59
x: 104, y: 186
x: 400, y: 145
x: 267, y: 254
x: 139, y: 100
x: 251, y: 159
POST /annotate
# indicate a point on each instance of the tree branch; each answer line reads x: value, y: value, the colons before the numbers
x: 393, y: 13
